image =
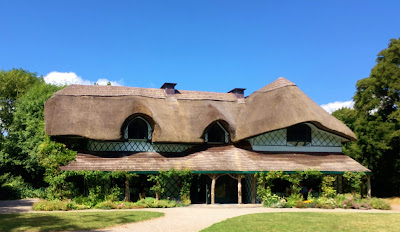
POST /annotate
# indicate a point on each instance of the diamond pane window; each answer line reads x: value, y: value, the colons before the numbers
x: 274, y: 138
x: 325, y: 139
x: 137, y: 146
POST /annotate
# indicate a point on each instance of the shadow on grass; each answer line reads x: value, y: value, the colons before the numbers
x: 33, y: 222
x: 70, y: 220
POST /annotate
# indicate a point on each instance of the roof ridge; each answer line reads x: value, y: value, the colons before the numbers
x: 277, y: 84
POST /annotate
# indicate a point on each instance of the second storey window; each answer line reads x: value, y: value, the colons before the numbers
x: 138, y: 128
x: 299, y: 135
x: 216, y: 134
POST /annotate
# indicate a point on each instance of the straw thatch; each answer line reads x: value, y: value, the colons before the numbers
x: 216, y: 159
x: 102, y: 112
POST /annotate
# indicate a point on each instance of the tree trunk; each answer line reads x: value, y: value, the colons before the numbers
x: 127, y: 192
x: 213, y: 180
x: 253, y: 189
x: 368, y: 186
x: 239, y: 179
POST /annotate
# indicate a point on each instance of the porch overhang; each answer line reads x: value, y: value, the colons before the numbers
x: 218, y: 160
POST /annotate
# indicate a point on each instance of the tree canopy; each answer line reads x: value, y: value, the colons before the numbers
x: 14, y: 83
x: 376, y: 121
x: 22, y: 97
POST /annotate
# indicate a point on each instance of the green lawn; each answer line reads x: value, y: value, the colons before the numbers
x: 70, y: 220
x: 310, y: 222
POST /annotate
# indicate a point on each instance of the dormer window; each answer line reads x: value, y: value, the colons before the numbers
x: 138, y: 129
x: 299, y: 135
x: 217, y: 134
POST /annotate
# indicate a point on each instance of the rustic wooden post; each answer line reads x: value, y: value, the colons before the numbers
x: 158, y: 193
x: 239, y: 179
x: 362, y: 188
x: 214, y: 178
x: 368, y: 185
x: 213, y: 181
x: 253, y: 189
x: 127, y: 192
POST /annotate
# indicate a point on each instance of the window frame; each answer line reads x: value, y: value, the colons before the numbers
x: 226, y: 134
x: 149, y: 130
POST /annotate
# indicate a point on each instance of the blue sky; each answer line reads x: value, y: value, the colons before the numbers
x: 324, y: 47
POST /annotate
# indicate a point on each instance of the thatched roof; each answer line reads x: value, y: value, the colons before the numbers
x: 102, y: 112
x: 229, y: 159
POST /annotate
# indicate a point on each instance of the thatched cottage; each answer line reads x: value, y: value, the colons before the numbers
x: 226, y: 137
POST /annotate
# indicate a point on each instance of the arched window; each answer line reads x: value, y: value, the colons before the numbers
x: 216, y: 134
x: 299, y: 135
x: 138, y: 128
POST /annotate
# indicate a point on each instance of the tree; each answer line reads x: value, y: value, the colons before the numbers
x: 14, y: 84
x: 376, y: 122
x: 19, y: 155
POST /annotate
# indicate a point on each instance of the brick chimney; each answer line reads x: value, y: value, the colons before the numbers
x: 169, y: 88
x: 239, y: 92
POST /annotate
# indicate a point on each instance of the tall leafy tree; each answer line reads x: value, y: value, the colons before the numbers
x: 376, y: 121
x: 26, y: 132
x: 14, y: 83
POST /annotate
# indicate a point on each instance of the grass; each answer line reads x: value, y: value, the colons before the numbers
x: 71, y: 220
x: 270, y: 222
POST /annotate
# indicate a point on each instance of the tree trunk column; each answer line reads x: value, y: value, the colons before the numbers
x: 239, y: 179
x: 213, y: 181
x: 127, y: 192
x: 368, y: 185
x: 253, y: 189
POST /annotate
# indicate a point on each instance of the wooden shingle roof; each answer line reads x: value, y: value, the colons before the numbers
x: 227, y: 159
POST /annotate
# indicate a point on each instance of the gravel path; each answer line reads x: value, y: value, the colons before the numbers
x: 198, y: 217
x: 187, y: 219
x: 17, y: 206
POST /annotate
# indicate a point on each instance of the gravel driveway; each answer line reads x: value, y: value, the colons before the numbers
x: 184, y: 219
x: 17, y: 206
x: 198, y: 217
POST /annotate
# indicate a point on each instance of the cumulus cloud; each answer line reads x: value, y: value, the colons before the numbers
x: 330, y: 107
x: 70, y: 78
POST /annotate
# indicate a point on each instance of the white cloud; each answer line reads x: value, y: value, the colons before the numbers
x: 330, y: 107
x: 70, y: 78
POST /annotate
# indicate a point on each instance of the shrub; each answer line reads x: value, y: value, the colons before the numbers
x: 377, y: 203
x: 327, y: 186
x: 354, y: 180
x: 115, y: 192
x: 106, y: 205
x: 150, y: 202
x: 340, y: 198
x: 293, y: 200
x: 270, y: 200
x: 325, y: 203
x: 63, y: 205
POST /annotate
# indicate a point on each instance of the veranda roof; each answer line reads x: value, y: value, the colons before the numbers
x: 221, y: 159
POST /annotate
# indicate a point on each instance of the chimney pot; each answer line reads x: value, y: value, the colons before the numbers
x: 239, y: 92
x: 169, y: 88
